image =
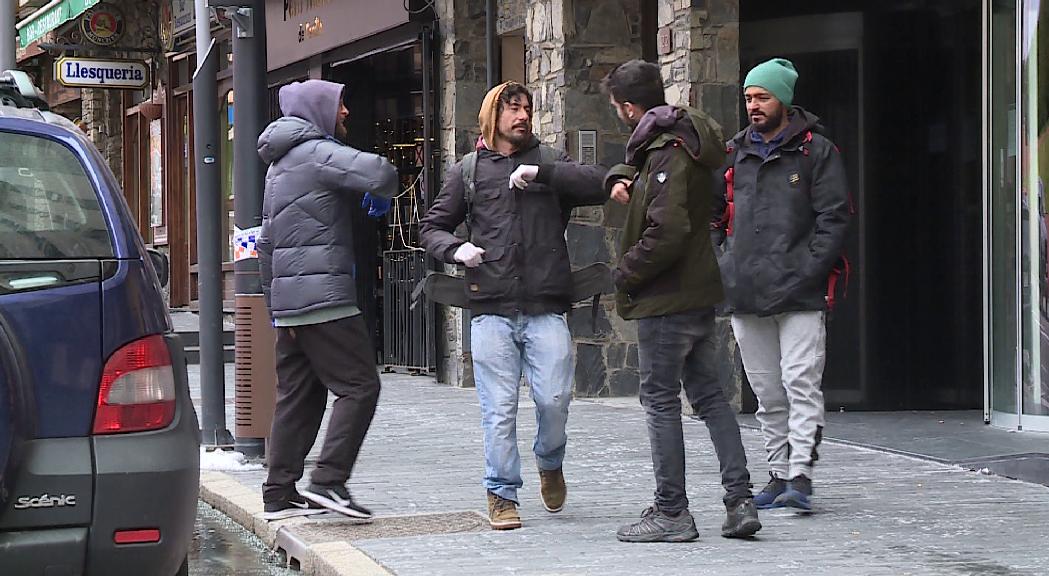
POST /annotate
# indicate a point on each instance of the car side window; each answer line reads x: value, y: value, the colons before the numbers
x: 48, y: 205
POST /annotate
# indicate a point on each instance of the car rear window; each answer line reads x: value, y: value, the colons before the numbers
x: 48, y: 206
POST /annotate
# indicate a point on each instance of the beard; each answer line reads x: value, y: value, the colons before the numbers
x: 770, y: 123
x: 516, y: 140
x: 341, y: 132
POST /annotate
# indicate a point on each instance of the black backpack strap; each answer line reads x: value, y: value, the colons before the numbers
x: 469, y: 171
x: 548, y: 154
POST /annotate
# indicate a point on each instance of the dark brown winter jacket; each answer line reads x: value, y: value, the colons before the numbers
x: 526, y: 267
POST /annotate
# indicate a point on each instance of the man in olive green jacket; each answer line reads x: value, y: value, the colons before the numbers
x: 667, y: 279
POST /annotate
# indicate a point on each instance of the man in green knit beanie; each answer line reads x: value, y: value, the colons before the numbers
x: 785, y: 222
x: 774, y: 78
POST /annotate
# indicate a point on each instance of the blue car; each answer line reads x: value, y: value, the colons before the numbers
x: 99, y: 442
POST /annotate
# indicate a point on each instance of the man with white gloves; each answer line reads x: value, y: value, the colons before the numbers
x: 516, y: 197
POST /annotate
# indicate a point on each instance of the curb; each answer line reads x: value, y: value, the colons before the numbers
x: 244, y: 506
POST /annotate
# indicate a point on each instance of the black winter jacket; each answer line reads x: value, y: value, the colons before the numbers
x: 526, y: 267
x: 791, y: 219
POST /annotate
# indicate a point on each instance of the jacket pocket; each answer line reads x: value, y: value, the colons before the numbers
x: 551, y: 271
x: 492, y: 280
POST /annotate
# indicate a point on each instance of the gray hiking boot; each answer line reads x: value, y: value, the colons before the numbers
x: 658, y: 526
x: 741, y: 519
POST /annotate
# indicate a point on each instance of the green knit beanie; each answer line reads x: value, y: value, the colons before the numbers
x: 777, y: 76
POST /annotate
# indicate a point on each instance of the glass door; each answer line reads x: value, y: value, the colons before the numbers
x: 1033, y: 395
x: 1017, y: 263
x: 1003, y: 217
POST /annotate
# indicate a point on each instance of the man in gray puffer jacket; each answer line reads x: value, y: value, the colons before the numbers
x: 306, y: 259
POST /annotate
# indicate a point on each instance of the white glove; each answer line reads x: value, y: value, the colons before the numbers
x: 470, y: 255
x: 524, y: 174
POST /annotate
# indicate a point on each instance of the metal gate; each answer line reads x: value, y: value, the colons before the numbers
x: 408, y: 333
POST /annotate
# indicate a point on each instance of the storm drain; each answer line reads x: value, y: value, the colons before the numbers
x: 327, y: 530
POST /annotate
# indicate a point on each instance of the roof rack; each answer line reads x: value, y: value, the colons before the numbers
x: 16, y: 89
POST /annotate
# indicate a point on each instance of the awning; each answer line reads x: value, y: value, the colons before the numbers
x: 51, y: 16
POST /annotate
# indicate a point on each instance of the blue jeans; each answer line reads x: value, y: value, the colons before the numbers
x: 504, y: 347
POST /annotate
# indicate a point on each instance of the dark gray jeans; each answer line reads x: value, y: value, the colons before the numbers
x: 676, y: 350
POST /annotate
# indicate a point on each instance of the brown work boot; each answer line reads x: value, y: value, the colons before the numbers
x: 502, y: 513
x: 552, y: 487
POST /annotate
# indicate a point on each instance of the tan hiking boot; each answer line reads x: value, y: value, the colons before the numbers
x: 502, y: 513
x: 552, y: 487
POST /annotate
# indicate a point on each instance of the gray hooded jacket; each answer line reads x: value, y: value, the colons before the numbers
x: 313, y: 185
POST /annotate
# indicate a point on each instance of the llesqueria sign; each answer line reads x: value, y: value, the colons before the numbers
x: 102, y: 73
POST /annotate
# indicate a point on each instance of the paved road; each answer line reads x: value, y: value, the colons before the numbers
x: 879, y: 514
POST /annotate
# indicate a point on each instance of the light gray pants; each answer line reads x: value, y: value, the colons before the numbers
x: 784, y: 356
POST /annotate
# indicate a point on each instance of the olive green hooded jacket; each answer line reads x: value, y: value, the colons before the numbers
x: 667, y: 264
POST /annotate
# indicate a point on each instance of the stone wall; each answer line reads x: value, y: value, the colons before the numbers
x: 461, y: 85
x: 699, y: 56
x: 698, y: 46
x: 571, y: 45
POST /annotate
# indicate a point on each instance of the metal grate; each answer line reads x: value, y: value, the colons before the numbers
x: 338, y: 527
x: 408, y: 334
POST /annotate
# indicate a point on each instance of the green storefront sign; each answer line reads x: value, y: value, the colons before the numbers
x: 41, y: 23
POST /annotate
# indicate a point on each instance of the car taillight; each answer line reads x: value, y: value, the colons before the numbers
x: 137, y: 391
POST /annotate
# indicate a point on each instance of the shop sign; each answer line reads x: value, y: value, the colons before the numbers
x: 103, y: 24
x: 50, y: 17
x: 167, y: 27
x: 102, y: 73
x: 183, y: 13
x: 299, y: 29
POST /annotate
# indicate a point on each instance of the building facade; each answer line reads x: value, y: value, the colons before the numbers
x: 940, y: 109
x: 947, y: 297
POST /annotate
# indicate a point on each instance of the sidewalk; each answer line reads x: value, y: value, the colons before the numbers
x: 420, y: 470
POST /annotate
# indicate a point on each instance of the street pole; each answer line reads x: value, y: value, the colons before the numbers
x: 249, y: 119
x: 210, y: 237
x: 8, y: 34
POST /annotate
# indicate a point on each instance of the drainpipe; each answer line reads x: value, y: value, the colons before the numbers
x: 491, y: 15
x: 8, y: 34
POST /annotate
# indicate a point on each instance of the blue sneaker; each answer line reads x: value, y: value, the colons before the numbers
x: 766, y: 499
x: 797, y: 495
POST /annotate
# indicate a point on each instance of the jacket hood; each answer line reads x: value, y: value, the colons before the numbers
x: 801, y: 122
x: 699, y: 135
x: 284, y: 134
x: 315, y: 101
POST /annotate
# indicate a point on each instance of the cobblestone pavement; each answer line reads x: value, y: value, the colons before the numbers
x: 878, y: 513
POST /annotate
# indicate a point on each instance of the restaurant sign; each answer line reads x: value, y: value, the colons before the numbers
x: 102, y: 73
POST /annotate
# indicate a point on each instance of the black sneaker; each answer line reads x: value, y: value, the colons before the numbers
x: 798, y: 494
x: 658, y: 526
x: 741, y: 519
x: 766, y: 499
x: 336, y: 498
x: 290, y: 507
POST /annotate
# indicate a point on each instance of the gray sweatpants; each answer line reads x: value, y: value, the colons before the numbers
x: 784, y: 356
